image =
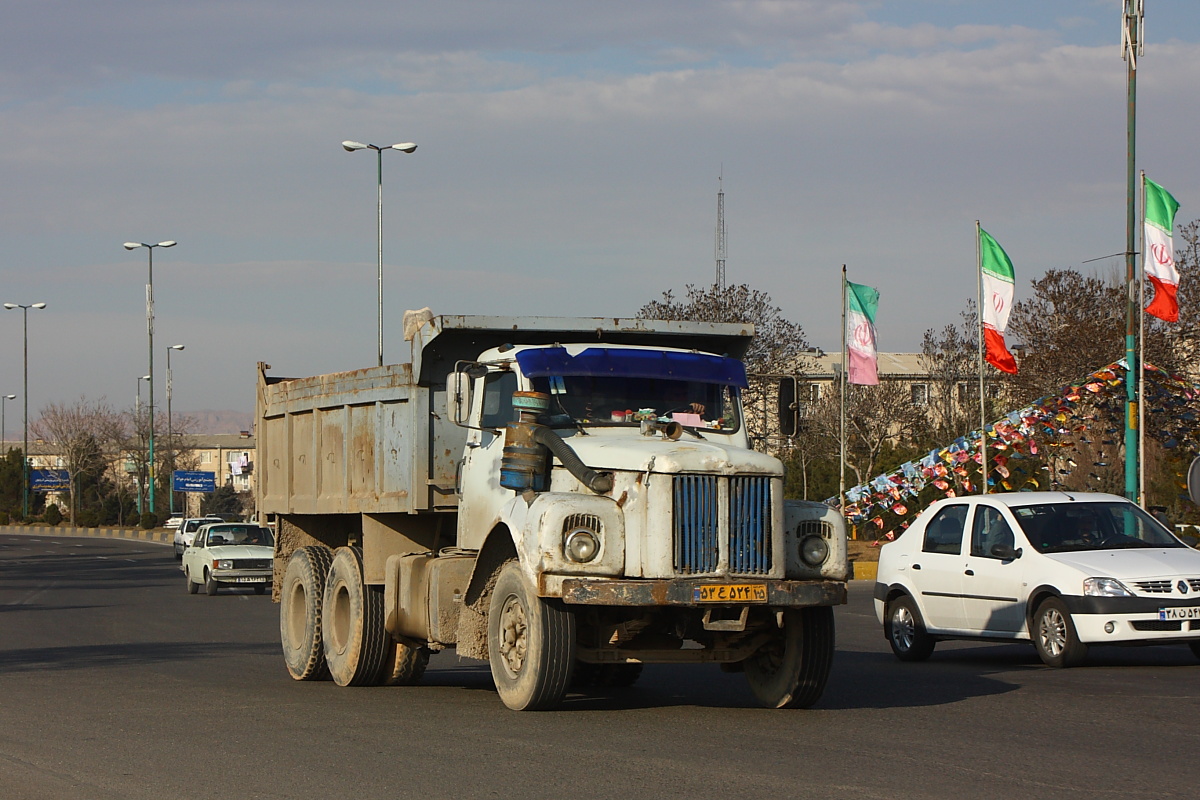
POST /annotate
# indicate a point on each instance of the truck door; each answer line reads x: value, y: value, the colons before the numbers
x: 480, y: 493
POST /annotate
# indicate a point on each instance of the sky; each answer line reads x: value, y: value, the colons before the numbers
x: 568, y: 162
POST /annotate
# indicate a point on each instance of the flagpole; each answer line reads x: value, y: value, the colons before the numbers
x: 1141, y: 388
x: 983, y: 470
x: 842, y: 399
x: 1131, y: 48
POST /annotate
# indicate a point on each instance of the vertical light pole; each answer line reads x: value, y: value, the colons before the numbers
x: 150, y: 336
x: 170, y: 441
x: 1131, y: 48
x: 137, y: 423
x: 403, y: 147
x: 25, y: 451
x: 3, y: 429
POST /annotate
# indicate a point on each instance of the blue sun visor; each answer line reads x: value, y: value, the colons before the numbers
x: 544, y: 362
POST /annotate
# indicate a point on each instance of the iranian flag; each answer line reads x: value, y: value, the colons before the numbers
x: 861, y: 303
x: 1159, y: 260
x: 997, y: 299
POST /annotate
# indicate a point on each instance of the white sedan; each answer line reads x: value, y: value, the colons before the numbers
x: 229, y: 554
x: 1065, y: 570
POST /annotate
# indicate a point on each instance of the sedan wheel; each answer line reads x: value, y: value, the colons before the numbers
x: 1054, y: 635
x: 905, y: 630
x: 192, y: 587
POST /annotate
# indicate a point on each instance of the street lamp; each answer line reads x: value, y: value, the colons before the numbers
x: 137, y: 422
x: 3, y: 429
x: 150, y: 335
x: 403, y: 147
x: 25, y: 451
x: 170, y: 441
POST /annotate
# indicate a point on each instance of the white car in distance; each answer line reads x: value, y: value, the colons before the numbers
x: 229, y: 554
x: 185, y: 532
x: 1065, y: 570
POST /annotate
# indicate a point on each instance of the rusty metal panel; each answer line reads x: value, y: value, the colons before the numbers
x: 682, y: 592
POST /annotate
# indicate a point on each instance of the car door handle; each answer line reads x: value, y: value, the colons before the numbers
x: 969, y: 572
x: 916, y: 566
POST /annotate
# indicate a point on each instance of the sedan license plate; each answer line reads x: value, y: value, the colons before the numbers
x: 1192, y: 612
x: 249, y: 580
x: 730, y: 593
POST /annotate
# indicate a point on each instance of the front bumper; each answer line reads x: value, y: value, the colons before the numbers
x: 1133, y: 619
x: 683, y: 592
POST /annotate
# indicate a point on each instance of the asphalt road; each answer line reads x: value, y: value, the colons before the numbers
x: 115, y: 683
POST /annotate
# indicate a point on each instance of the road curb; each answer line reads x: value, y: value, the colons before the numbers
x: 157, y: 535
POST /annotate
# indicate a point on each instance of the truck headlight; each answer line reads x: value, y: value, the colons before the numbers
x: 222, y: 563
x: 1105, y: 587
x: 581, y: 545
x: 813, y: 550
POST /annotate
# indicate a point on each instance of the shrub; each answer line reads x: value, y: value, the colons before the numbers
x: 149, y: 520
x: 53, y: 515
x: 88, y: 519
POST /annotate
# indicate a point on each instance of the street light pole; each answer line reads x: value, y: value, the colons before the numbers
x: 150, y: 336
x: 171, y: 441
x: 403, y: 147
x: 25, y: 451
x: 137, y: 423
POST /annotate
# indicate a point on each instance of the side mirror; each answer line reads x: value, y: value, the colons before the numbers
x: 1006, y: 551
x: 789, y: 409
x: 458, y: 396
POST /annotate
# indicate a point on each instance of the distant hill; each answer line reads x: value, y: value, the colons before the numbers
x: 218, y: 421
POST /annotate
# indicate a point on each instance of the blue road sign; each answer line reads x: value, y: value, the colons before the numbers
x: 193, y: 481
x: 49, y: 480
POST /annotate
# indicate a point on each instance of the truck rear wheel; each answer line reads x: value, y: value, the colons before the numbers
x: 356, y: 643
x: 404, y: 665
x: 531, y: 643
x: 300, y: 613
x: 791, y: 670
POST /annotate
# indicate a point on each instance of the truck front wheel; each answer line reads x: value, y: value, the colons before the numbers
x: 300, y: 613
x: 356, y: 643
x: 790, y: 671
x: 531, y: 643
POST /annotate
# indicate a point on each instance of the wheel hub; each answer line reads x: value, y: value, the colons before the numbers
x: 904, y: 628
x: 1053, y: 632
x: 513, y: 636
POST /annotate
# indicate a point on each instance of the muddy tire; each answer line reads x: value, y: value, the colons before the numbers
x: 211, y: 587
x: 531, y: 643
x: 300, y: 613
x: 352, y: 623
x: 192, y: 587
x: 791, y: 670
x: 404, y: 665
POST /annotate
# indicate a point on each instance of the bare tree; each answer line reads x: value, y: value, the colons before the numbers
x: 82, y: 433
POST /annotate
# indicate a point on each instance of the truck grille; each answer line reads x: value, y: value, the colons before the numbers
x: 700, y: 507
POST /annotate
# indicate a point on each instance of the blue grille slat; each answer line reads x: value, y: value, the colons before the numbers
x: 750, y: 525
x: 695, y: 523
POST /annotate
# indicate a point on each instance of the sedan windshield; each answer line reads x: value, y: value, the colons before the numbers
x: 1075, y: 527
x: 220, y: 535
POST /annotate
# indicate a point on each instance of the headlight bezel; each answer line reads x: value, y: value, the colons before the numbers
x: 222, y: 563
x: 581, y: 545
x: 813, y: 550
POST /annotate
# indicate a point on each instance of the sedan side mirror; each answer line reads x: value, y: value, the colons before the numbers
x: 1006, y: 551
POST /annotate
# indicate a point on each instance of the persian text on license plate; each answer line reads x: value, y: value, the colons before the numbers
x: 249, y: 580
x: 730, y: 593
x: 1192, y: 612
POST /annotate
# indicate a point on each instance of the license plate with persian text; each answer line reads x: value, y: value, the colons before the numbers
x: 730, y: 593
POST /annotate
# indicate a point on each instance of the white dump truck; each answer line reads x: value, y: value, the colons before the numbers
x: 568, y: 499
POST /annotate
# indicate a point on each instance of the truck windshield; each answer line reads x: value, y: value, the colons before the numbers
x: 622, y: 386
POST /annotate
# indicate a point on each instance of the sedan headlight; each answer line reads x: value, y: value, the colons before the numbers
x: 222, y: 563
x: 1105, y: 587
x: 813, y: 550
